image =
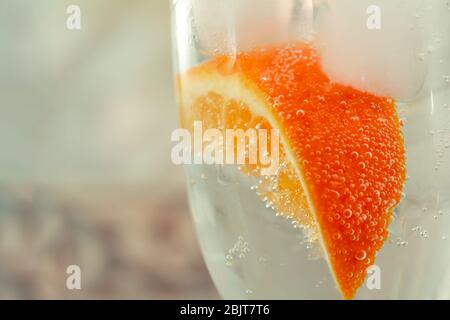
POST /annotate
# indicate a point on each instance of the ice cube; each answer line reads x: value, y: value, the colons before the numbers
x: 392, y: 60
x: 227, y: 26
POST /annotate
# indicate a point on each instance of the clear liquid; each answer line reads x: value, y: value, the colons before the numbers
x: 252, y: 253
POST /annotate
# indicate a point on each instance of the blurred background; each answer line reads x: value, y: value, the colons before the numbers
x: 85, y: 170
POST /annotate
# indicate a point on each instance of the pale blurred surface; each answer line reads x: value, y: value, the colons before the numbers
x: 85, y: 170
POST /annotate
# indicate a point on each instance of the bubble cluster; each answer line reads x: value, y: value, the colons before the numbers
x: 284, y: 194
x: 239, y: 251
x: 418, y: 230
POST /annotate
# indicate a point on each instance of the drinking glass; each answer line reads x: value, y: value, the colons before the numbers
x: 394, y: 48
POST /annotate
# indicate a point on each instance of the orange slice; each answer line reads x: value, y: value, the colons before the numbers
x: 342, y: 159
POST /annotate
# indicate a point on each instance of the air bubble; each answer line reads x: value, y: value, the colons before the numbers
x: 337, y: 236
x: 347, y: 213
x: 300, y: 112
x: 355, y: 154
x: 335, y: 193
x: 361, y: 255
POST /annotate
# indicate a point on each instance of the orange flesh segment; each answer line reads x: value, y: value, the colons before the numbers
x: 347, y: 146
